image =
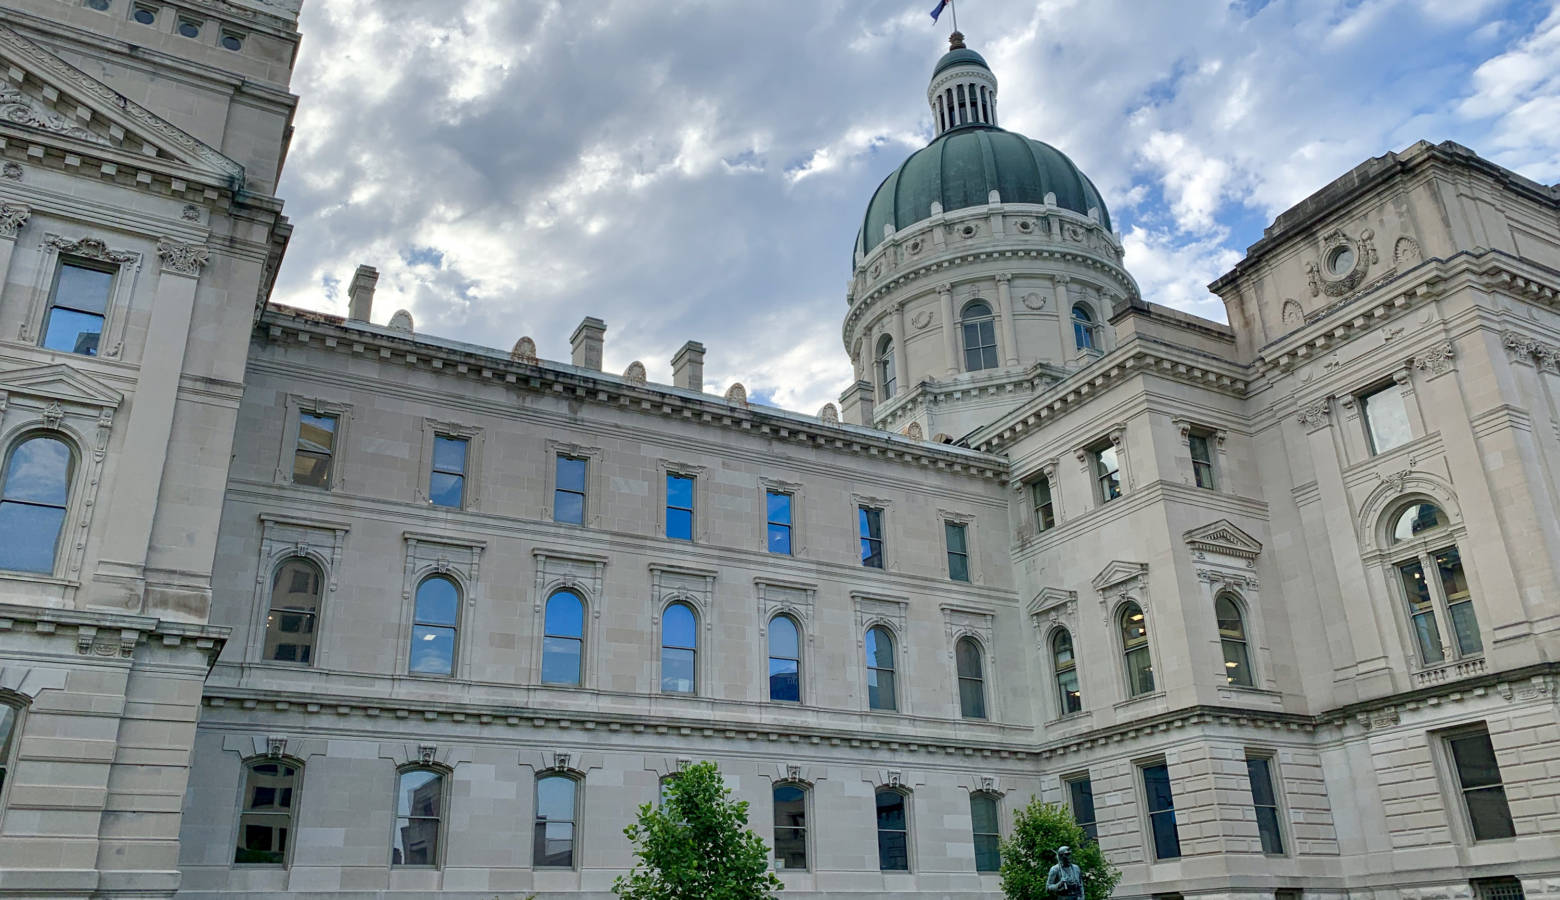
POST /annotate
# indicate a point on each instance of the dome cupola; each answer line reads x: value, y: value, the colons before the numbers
x: 963, y: 91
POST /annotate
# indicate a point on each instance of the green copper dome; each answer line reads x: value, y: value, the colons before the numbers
x: 960, y: 55
x: 963, y: 166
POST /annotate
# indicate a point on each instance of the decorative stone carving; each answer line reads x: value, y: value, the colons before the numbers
x: 915, y: 247
x: 190, y: 213
x: 1437, y: 360
x: 12, y: 217
x: 1406, y: 252
x: 91, y: 248
x: 913, y: 432
x: 829, y: 415
x: 1073, y: 232
x: 183, y: 259
x: 12, y: 171
x: 1033, y: 300
x: 427, y: 754
x: 1024, y: 226
x: 275, y: 746
x: 1315, y: 414
x: 1293, y: 315
x: 922, y: 319
x: 635, y: 373
x: 401, y: 321
x: 1222, y: 538
x: 20, y: 109
x: 1336, y: 284
x: 1397, y: 481
x: 969, y: 230
x: 52, y: 415
x: 524, y: 351
x: 737, y: 394
x: 896, y: 778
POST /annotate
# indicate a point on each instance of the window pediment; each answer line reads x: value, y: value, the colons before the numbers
x: 1119, y: 573
x: 1223, y: 538
x: 59, y: 382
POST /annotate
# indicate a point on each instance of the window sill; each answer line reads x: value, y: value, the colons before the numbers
x: 1141, y: 698
x: 1082, y: 715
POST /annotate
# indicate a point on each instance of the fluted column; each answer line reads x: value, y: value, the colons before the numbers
x: 1005, y: 310
x: 950, y: 337
x: 901, y: 362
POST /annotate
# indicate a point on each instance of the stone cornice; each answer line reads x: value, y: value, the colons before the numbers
x: 113, y: 635
x: 466, y: 361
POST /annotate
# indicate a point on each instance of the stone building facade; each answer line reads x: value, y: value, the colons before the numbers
x: 305, y: 605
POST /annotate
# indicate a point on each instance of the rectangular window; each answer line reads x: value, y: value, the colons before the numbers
x: 790, y: 827
x: 777, y: 512
x: 1080, y: 797
x: 569, y: 495
x: 1386, y: 419
x: 679, y: 507
x: 1161, y: 811
x: 316, y: 446
x: 1501, y: 888
x: 1202, y: 460
x: 1478, y: 777
x: 1459, y: 602
x: 958, y: 551
x: 1259, y: 770
x: 1045, y: 507
x: 1287, y: 894
x: 447, y: 482
x: 1421, y: 611
x: 870, y: 521
x: 1107, y: 473
x: 77, y: 308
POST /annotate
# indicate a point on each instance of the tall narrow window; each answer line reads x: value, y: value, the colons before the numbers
x: 777, y: 508
x: 1459, y: 602
x: 556, y: 809
x: 888, y: 379
x: 1259, y: 770
x: 265, y: 820
x: 9, y: 717
x: 447, y: 481
x: 1083, y: 328
x: 972, y: 679
x: 1080, y: 797
x: 1202, y: 460
x: 881, y: 689
x: 679, y: 507
x: 1107, y: 472
x: 679, y: 649
x: 893, y: 831
x: 980, y: 337
x: 77, y: 308
x: 790, y: 826
x: 1440, y: 598
x: 785, y: 660
x: 563, y: 639
x: 433, y: 627
x: 1386, y: 418
x: 291, y: 621
x: 1161, y: 811
x: 1232, y: 637
x: 1045, y: 506
x: 869, y: 520
x: 33, y: 497
x: 1069, y: 698
x: 316, y: 447
x: 958, y: 551
x: 1421, y: 611
x: 1134, y: 648
x: 419, y: 812
x: 569, y: 495
x: 987, y: 833
x: 1478, y: 777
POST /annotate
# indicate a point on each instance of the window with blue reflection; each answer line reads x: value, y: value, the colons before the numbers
x: 1161, y: 811
x: 569, y: 496
x: 972, y: 678
x: 556, y: 808
x: 980, y: 337
x: 419, y: 812
x: 447, y: 482
x: 785, y: 660
x: 74, y: 322
x: 881, y: 693
x: 778, y: 513
x: 1083, y: 328
x: 563, y: 639
x: 33, y: 496
x: 679, y: 507
x: 870, y: 522
x: 433, y: 627
x: 679, y: 649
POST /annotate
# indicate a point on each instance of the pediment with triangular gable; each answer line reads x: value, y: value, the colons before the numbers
x: 44, y: 97
x: 1118, y: 572
x: 60, y: 383
x: 1224, y: 539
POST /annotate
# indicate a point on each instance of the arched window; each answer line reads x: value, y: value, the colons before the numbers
x: 33, y: 497
x: 1435, y: 587
x: 785, y: 660
x: 433, y: 627
x: 1232, y: 636
x: 972, y: 679
x: 980, y: 337
x: 1134, y: 648
x: 557, y: 809
x: 881, y: 689
x: 1084, y: 328
x: 419, y: 817
x: 987, y: 833
x: 563, y: 639
x: 679, y: 649
x: 291, y: 621
x: 790, y: 826
x: 265, y: 819
x: 888, y: 382
x: 893, y: 831
x: 1068, y: 697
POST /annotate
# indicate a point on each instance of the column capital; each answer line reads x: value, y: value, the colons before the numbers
x: 12, y: 217
x: 1004, y: 277
x: 1061, y: 279
x: 182, y: 259
x: 945, y: 288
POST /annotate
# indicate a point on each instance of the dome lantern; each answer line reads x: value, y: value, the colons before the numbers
x: 963, y: 90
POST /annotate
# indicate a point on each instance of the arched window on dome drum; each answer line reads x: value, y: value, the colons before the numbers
x: 1084, y: 328
x: 942, y: 116
x: 1232, y: 637
x: 964, y: 106
x: 972, y: 679
x: 1134, y: 650
x: 980, y: 337
x: 888, y: 383
x: 881, y: 693
x: 1068, y: 696
x: 1420, y: 546
x: 33, y: 498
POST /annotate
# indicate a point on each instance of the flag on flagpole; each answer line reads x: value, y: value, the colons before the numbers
x: 937, y: 10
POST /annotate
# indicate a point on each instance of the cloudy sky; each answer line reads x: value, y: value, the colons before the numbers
x: 697, y: 169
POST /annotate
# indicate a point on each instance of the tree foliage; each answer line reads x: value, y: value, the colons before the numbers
x: 696, y: 845
x: 1030, y: 851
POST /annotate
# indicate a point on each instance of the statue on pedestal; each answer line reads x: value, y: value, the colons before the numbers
x: 1065, y: 880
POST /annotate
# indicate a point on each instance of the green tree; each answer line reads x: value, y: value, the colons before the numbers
x: 696, y: 845
x: 1030, y: 851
